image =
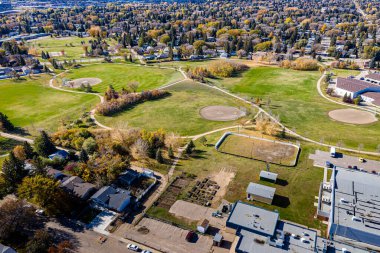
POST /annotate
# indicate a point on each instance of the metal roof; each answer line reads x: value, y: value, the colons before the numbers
x: 268, y: 175
x: 261, y: 190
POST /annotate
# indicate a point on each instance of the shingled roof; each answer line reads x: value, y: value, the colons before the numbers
x: 352, y: 85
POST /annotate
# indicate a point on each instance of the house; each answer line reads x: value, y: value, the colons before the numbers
x: 79, y: 188
x: 6, y: 249
x: 56, y: 174
x: 203, y: 226
x: 112, y: 198
x: 260, y: 193
x: 268, y: 176
x: 60, y: 154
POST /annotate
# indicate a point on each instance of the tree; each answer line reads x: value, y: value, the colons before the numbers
x: 16, y: 218
x: 39, y: 190
x: 170, y: 152
x: 90, y: 145
x: 203, y: 140
x: 19, y: 152
x: 83, y: 156
x: 44, y: 145
x: 40, y: 242
x: 13, y: 171
x: 5, y: 124
x: 29, y: 152
x: 62, y: 247
x: 159, y: 157
x: 190, y: 147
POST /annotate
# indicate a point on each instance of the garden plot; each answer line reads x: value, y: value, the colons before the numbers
x: 266, y: 150
x: 203, y: 192
x: 169, y: 197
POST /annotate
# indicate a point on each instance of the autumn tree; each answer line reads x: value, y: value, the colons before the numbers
x: 40, y: 242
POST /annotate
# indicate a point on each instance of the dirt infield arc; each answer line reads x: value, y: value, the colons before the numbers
x: 353, y: 116
x: 221, y: 113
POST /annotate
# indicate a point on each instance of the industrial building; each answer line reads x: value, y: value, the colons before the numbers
x: 350, y: 202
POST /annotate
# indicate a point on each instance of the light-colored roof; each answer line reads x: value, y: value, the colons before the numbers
x: 253, y: 218
x: 261, y: 190
x: 268, y: 175
x: 352, y: 85
x: 374, y: 76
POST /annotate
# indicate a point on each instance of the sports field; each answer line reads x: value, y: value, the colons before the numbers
x: 33, y: 105
x: 72, y: 46
x: 177, y: 113
x: 260, y: 149
x: 119, y: 75
x: 293, y: 96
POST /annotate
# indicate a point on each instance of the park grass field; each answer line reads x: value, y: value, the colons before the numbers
x: 294, y: 203
x: 177, y: 113
x: 33, y: 105
x: 343, y: 72
x: 72, y: 46
x: 293, y: 96
x: 119, y: 75
x: 260, y: 149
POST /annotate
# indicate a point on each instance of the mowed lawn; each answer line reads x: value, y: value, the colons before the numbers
x: 33, y: 105
x: 260, y: 149
x: 177, y: 113
x: 293, y: 96
x: 72, y: 46
x: 119, y: 75
x: 296, y: 187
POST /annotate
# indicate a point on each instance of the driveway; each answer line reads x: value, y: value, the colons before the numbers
x: 102, y: 221
x: 341, y: 160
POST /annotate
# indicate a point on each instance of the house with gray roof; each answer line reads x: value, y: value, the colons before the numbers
x: 77, y: 187
x: 261, y: 193
x: 112, y: 198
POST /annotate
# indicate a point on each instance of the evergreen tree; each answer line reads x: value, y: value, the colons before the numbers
x: 83, y: 156
x: 170, y: 152
x: 159, y: 157
x: 29, y: 152
x: 13, y: 171
x: 44, y: 145
x: 190, y: 147
x: 5, y: 124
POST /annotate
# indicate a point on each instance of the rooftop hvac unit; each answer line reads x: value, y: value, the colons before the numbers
x: 326, y: 200
x: 327, y: 187
x: 354, y: 218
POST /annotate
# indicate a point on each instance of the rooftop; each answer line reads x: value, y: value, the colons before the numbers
x: 374, y: 76
x: 352, y: 85
x: 268, y: 175
x: 252, y: 218
x: 261, y: 190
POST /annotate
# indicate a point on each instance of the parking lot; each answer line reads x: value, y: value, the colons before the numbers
x: 341, y: 160
x: 165, y: 237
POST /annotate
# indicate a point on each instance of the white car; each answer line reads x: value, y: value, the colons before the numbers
x: 133, y: 247
x: 146, y: 251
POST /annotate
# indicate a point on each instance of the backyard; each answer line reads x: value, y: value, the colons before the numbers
x: 33, y: 105
x: 177, y: 113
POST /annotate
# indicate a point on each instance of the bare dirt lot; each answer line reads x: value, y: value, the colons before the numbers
x: 166, y: 238
x: 223, y: 179
x: 221, y: 113
x: 194, y: 212
x: 260, y: 149
x: 85, y: 81
x: 353, y: 116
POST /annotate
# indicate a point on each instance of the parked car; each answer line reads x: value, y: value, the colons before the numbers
x: 355, y: 167
x: 133, y: 247
x: 190, y: 236
x: 329, y: 165
x: 361, y: 159
x: 146, y: 251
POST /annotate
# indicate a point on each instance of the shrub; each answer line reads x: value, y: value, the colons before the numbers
x: 303, y: 64
x: 126, y: 100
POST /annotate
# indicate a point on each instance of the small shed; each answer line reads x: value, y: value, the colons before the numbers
x: 268, y: 176
x: 203, y: 226
x: 261, y: 193
x: 218, y: 239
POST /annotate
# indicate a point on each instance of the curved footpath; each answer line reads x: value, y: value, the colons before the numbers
x: 260, y: 110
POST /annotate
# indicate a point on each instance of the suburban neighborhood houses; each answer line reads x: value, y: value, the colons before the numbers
x: 189, y: 126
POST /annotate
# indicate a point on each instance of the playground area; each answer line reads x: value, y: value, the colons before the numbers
x: 353, y: 116
x: 221, y: 113
x: 261, y: 149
